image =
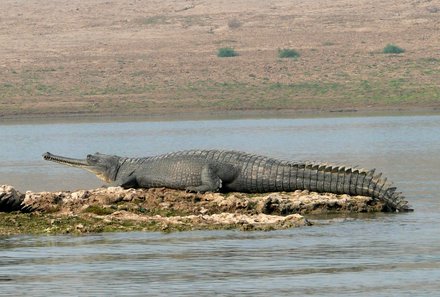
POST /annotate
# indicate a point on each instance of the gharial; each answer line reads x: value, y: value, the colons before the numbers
x: 229, y: 171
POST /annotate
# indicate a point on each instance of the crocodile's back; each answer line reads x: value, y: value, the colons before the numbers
x: 239, y: 171
x: 183, y: 169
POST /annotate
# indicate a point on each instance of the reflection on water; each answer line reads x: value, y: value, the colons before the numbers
x: 382, y: 255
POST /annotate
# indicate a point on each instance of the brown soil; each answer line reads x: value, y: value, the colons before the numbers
x: 125, y: 57
x: 116, y: 209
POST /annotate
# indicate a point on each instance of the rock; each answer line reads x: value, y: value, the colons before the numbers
x: 168, y: 209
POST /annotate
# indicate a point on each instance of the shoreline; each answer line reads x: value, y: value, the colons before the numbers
x: 196, y: 115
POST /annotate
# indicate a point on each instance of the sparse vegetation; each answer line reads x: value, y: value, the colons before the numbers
x: 288, y: 53
x: 164, y: 60
x: 153, y: 20
x: 234, y: 23
x: 328, y: 43
x: 226, y: 52
x: 392, y: 49
x: 99, y: 210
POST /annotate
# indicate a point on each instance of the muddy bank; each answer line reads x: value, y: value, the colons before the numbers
x: 117, y: 209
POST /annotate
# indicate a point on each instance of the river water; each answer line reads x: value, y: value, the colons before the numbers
x: 379, y: 255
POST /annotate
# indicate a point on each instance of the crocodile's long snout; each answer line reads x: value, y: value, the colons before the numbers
x: 66, y: 161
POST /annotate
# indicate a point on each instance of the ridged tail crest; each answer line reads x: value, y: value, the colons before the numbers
x: 323, y: 177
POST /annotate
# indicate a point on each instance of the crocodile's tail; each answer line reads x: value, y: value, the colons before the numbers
x: 348, y: 180
x: 264, y: 174
x: 383, y: 190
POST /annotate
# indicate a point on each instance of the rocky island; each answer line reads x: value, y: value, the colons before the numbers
x: 161, y: 209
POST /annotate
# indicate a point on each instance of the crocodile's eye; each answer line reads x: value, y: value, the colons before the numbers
x: 91, y: 158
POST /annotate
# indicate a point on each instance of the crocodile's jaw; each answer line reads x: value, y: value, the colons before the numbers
x: 100, y: 165
x: 81, y: 163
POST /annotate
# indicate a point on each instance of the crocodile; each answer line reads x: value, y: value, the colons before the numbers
x: 234, y: 171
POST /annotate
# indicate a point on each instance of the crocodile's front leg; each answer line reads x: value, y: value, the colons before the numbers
x: 126, y: 182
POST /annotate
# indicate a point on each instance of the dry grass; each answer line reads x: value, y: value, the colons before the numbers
x: 68, y: 57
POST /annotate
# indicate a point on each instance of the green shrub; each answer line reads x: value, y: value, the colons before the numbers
x: 99, y: 210
x: 226, y: 52
x: 392, y: 49
x: 288, y: 53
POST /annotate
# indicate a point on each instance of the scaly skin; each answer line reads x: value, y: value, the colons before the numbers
x: 228, y: 171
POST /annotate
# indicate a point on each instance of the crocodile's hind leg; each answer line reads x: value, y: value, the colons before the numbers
x: 211, y: 182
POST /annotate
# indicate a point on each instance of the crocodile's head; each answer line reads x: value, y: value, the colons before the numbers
x: 103, y: 166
